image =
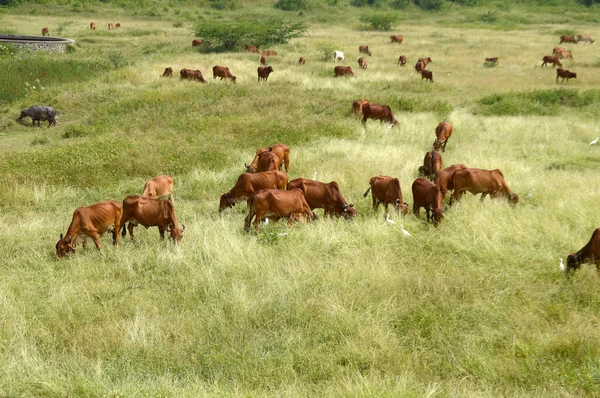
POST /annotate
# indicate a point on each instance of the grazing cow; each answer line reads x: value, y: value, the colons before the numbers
x: 40, y: 113
x: 585, y: 38
x: 168, y: 72
x: 386, y: 190
x: 364, y: 50
x: 117, y: 25
x: 151, y: 212
x: 566, y: 54
x: 427, y: 195
x: 269, y: 52
x: 276, y: 204
x: 324, y: 196
x: 427, y: 75
x: 590, y: 252
x: 491, y: 61
x: 263, y: 60
x: 264, y: 72
x: 402, y: 60
x: 557, y: 50
x: 249, y: 183
x: 444, y: 178
x: 92, y: 221
x: 197, y: 42
x: 223, y: 72
x: 567, y: 39
x: 551, y: 59
x: 424, y: 61
x: 443, y: 131
x: 378, y: 112
x: 93, y: 25
x: 45, y: 32
x: 420, y: 66
x: 432, y: 164
x: 265, y: 161
x: 343, y: 71
x: 565, y: 74
x: 111, y: 25
x: 338, y: 56
x: 281, y: 150
x: 358, y: 104
x: 192, y: 75
x: 481, y: 181
x: 397, y: 39
x: 252, y: 49
x: 362, y: 63
x: 159, y: 188
x: 301, y: 61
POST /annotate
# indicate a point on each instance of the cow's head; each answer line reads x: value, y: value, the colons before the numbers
x: 572, y: 262
x: 437, y: 144
x: 437, y: 214
x: 250, y: 168
x: 176, y: 233
x: 23, y: 114
x: 269, y: 69
x: 403, y: 207
x: 64, y: 246
x: 225, y: 202
x: 513, y: 198
x: 348, y: 211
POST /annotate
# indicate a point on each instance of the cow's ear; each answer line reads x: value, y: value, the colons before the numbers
x: 233, y: 204
x: 61, y: 237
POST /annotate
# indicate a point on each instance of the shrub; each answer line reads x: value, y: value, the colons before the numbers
x: 224, y: 4
x: 326, y: 48
x: 429, y: 5
x: 292, y: 5
x: 177, y: 24
x: 400, y: 4
x: 379, y: 21
x: 40, y: 141
x: 117, y: 59
x: 366, y: 3
x: 74, y: 131
x: 70, y: 49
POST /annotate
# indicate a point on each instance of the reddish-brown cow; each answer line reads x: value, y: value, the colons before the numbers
x: 281, y: 150
x: 168, y: 72
x: 45, y: 32
x: 476, y: 181
x: 192, y: 75
x: 343, y: 71
x: 117, y: 25
x: 402, y: 60
x: 397, y: 39
x: 151, y: 212
x: 249, y: 183
x: 252, y: 49
x: 557, y: 50
x: 565, y: 74
x: 585, y: 37
x: 427, y: 195
x: 159, y: 188
x: 301, y: 61
x: 427, y: 75
x: 276, y: 204
x: 362, y: 63
x: 443, y: 131
x: 264, y: 72
x: 590, y: 252
x: 386, y: 190
x: 567, y: 39
x: 223, y: 72
x: 324, y: 196
x: 378, y: 112
x: 432, y: 164
x: 444, y: 178
x: 93, y: 25
x: 263, y: 60
x: 111, y: 25
x: 551, y: 59
x: 197, y: 42
x: 269, y: 52
x: 265, y: 161
x: 358, y: 104
x: 364, y: 50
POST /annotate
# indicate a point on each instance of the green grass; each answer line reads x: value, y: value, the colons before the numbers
x: 475, y: 307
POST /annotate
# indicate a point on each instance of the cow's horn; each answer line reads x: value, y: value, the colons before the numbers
x: 182, y: 227
x: 351, y: 205
x: 245, y: 165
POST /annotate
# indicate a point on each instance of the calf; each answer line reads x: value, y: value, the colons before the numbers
x: 93, y: 25
x: 443, y: 131
x: 324, y: 196
x: 92, y: 221
x: 590, y: 252
x: 358, y: 104
x: 567, y: 39
x: 427, y: 75
x: 343, y: 71
x: 276, y: 204
x: 481, y: 181
x: 151, y: 212
x: 378, y: 112
x: 197, y: 42
x: 444, y: 178
x: 249, y: 183
x: 159, y: 187
x: 551, y: 59
x: 397, y: 39
x: 281, y: 150
x: 301, y: 61
x: 362, y: 63
x: 252, y: 49
x: 223, y: 72
x: 402, y: 60
x: 265, y: 161
x: 264, y: 72
x: 40, y: 113
x: 45, y: 32
x: 585, y: 38
x: 269, y: 52
x: 338, y: 56
x: 364, y: 50
x: 263, y: 60
x: 432, y: 164
x: 386, y: 190
x: 427, y: 195
x: 565, y: 74
x: 168, y: 72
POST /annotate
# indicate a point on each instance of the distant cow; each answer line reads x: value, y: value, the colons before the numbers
x: 427, y: 75
x: 386, y: 190
x: 491, y: 61
x: 93, y: 25
x: 551, y: 59
x: 365, y: 50
x: 419, y: 67
x: 197, y: 42
x: 567, y: 39
x: 282, y: 151
x: 45, y: 32
x: 566, y: 54
x: 425, y: 61
x: 301, y: 61
x: 324, y: 196
x: 432, y: 164
x: 444, y: 178
x: 443, y: 131
x: 427, y: 195
x: 39, y: 113
x: 263, y: 60
x: 476, y: 181
x: 378, y: 112
x: 397, y: 39
x: 117, y: 25
x: 264, y: 72
x: 249, y: 183
x: 565, y: 74
x: 91, y: 221
x: 402, y: 60
x: 269, y: 52
x: 111, y: 25
x: 265, y: 161
x: 159, y: 187
x: 223, y: 72
x: 252, y: 49
x: 590, y: 252
x: 557, y: 50
x: 191, y: 75
x: 358, y: 104
x: 362, y: 63
x: 151, y: 212
x: 168, y: 72
x: 585, y: 38
x: 338, y: 56
x: 343, y: 71
x: 276, y: 204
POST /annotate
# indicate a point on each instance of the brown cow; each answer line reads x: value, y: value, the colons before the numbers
x: 444, y: 178
x: 301, y: 61
x: 551, y: 59
x: 223, y: 72
x: 93, y: 25
x: 566, y: 54
x: 432, y: 164
x: 265, y: 161
x: 567, y: 39
x: 281, y: 150
x: 168, y: 72
x: 397, y: 39
x: 276, y: 204
x: 386, y: 190
x: 252, y: 49
x: 443, y: 131
x: 197, y: 42
x: 269, y: 52
x: 427, y: 195
x: 324, y: 196
x: 565, y: 74
x: 402, y: 60
x: 424, y: 61
x: 362, y: 63
x: 151, y: 212
x: 585, y: 37
x: 378, y: 112
x: 248, y: 183
x: 343, y: 70
x: 192, y: 75
x: 264, y: 72
x: 481, y: 181
x: 92, y: 221
x: 263, y: 60
x: 117, y: 25
x: 427, y: 75
x: 491, y: 61
x: 45, y: 32
x: 557, y: 50
x: 111, y: 25
x: 590, y: 252
x: 358, y: 105
x: 364, y: 50
x: 159, y: 187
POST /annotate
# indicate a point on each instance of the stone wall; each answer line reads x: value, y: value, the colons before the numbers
x: 33, y: 43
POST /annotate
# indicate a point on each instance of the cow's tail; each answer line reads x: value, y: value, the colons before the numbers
x: 124, y: 230
x: 366, y: 192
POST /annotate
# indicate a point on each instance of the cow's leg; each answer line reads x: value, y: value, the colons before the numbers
x: 427, y: 212
x: 130, y: 227
x: 257, y: 221
x: 161, y: 231
x: 84, y: 244
x: 444, y: 147
x: 96, y: 238
x: 375, y: 203
x: 483, y: 196
x: 416, y: 209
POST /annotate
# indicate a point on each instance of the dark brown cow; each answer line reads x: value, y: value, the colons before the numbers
x: 343, y: 71
x: 265, y: 161
x: 197, y: 42
x: 263, y: 60
x: 45, y: 32
x: 117, y: 25
x: 281, y: 150
x: 590, y: 252
x: 397, y: 39
x: 476, y: 181
x: 301, y: 61
x: 358, y: 104
x: 565, y: 74
x: 402, y: 60
x: 93, y: 25
x: 419, y: 66
x: 364, y: 50
x: 443, y: 131
x: 386, y: 190
x: 427, y: 195
x: 427, y: 75
x: 362, y: 63
x: 111, y: 25
x: 249, y: 183
x: 191, y: 75
x: 585, y: 37
x: 159, y: 188
x: 151, y: 212
x: 223, y: 72
x: 269, y: 52
x: 432, y: 164
x: 252, y: 49
x: 92, y: 221
x: 551, y: 59
x: 324, y: 196
x: 567, y: 39
x: 264, y: 72
x: 168, y: 72
x: 444, y: 178
x: 378, y: 112
x: 276, y: 204
x: 491, y: 61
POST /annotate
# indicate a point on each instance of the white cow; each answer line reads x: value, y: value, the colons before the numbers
x: 338, y: 56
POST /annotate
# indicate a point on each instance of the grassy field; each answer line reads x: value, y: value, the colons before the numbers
x: 475, y: 307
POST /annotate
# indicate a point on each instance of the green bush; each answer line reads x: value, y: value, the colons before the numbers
x: 224, y: 4
x: 379, y: 21
x: 326, y: 49
x: 40, y: 141
x: 429, y: 5
x: 74, y: 131
x: 177, y: 24
x: 400, y: 4
x: 117, y: 59
x: 292, y: 5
